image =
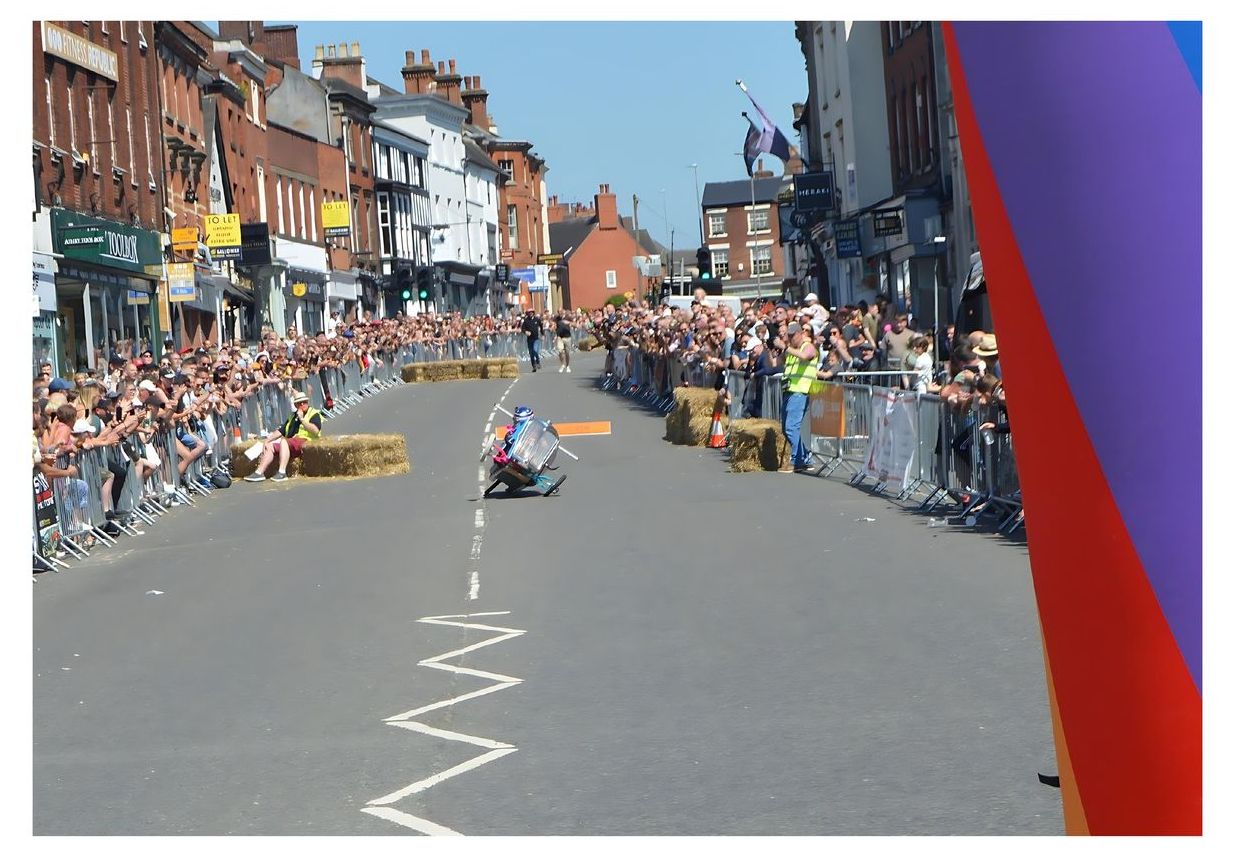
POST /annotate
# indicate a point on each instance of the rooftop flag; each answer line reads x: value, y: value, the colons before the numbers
x: 768, y: 139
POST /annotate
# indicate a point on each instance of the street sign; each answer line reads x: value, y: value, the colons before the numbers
x: 335, y: 222
x: 888, y: 222
x: 550, y: 258
x: 506, y: 255
x: 299, y: 289
x: 502, y: 272
x: 255, y: 244
x: 800, y: 219
x: 180, y: 281
x: 814, y: 191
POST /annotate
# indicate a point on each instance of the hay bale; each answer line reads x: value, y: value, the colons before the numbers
x: 587, y: 344
x: 758, y: 444
x: 345, y: 456
x: 696, y: 406
x: 747, y: 439
x: 676, y: 420
x: 474, y: 368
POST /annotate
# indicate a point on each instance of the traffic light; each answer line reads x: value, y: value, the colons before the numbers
x: 704, y: 263
x: 406, y: 294
x: 424, y: 276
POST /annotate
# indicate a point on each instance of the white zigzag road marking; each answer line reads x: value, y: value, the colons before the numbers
x: 495, y: 749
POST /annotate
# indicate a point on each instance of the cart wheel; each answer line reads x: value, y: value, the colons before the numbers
x: 555, y: 486
x: 493, y: 485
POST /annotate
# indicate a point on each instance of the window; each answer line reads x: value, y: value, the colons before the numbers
x: 313, y: 219
x: 51, y: 114
x: 612, y: 281
x: 898, y: 135
x: 90, y: 120
x: 721, y: 263
x: 262, y: 195
x: 928, y: 122
x: 352, y: 224
x: 758, y: 220
x: 509, y: 167
x: 911, y: 125
x: 301, y: 201
x: 384, y: 224
x: 129, y: 131
x: 279, y: 205
x: 292, y: 229
x: 384, y: 162
x: 762, y: 260
x: 111, y: 130
x: 717, y: 225
x: 919, y: 108
x: 123, y: 36
x: 419, y: 178
x: 72, y: 117
x: 150, y: 162
x: 513, y: 228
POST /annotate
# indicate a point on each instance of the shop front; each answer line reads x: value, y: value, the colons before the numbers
x: 44, y: 309
x: 105, y: 290
x: 343, y: 291
x: 305, y: 297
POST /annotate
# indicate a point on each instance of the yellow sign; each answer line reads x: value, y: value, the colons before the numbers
x: 181, y: 282
x: 86, y: 54
x: 223, y: 233
x: 185, y: 240
x: 335, y: 219
x: 299, y: 289
x: 550, y: 258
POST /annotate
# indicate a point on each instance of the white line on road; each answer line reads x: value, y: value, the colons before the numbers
x: 486, y: 429
x: 423, y: 825
x: 481, y: 474
x: 496, y: 749
x: 479, y: 518
x: 474, y: 586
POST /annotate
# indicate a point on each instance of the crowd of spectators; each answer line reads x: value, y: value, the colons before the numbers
x: 140, y: 393
x: 866, y: 342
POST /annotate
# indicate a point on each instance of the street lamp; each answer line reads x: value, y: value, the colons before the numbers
x: 700, y: 218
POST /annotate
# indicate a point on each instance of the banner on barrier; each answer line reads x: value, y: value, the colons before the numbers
x: 826, y: 413
x: 45, y: 520
x: 893, y: 438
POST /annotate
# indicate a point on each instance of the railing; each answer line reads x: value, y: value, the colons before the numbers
x: 941, y: 454
x: 132, y: 484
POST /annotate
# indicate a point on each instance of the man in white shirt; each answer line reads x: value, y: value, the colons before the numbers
x: 819, y: 314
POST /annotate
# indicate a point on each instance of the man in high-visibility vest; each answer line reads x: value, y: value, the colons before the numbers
x: 799, y: 372
x: 304, y: 425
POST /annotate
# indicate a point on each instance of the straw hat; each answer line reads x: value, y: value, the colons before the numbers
x: 299, y: 397
x: 987, y: 347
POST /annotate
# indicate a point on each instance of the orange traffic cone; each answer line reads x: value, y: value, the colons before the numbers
x: 717, y: 436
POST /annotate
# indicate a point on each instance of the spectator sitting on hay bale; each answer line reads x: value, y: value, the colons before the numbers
x: 305, y: 424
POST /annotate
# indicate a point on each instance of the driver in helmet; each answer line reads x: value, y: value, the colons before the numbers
x: 520, y: 418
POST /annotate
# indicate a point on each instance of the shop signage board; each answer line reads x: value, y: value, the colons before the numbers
x: 105, y: 242
x: 223, y: 235
x: 814, y: 192
x: 181, y: 282
x: 888, y: 222
x: 185, y: 240
x: 847, y: 239
x: 255, y: 244
x: 335, y: 219
x: 86, y: 54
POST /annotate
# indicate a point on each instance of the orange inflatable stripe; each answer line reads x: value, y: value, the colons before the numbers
x: 570, y: 428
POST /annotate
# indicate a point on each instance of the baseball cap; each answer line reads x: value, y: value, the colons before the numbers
x: 811, y: 296
x: 147, y: 384
x: 58, y: 384
x: 751, y: 343
x: 81, y: 426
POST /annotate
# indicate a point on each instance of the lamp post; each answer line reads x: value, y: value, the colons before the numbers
x: 700, y: 218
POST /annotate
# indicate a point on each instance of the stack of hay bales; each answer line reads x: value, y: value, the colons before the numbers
x: 587, y: 343
x: 346, y: 456
x: 444, y: 371
x: 758, y: 444
x: 689, y: 422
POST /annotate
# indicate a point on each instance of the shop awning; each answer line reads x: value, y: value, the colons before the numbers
x: 230, y: 290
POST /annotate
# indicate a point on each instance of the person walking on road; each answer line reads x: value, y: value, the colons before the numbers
x: 305, y: 424
x: 563, y: 342
x: 532, y: 328
x: 799, y: 373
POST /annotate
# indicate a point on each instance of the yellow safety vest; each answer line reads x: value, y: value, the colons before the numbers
x: 798, y: 375
x: 314, y: 417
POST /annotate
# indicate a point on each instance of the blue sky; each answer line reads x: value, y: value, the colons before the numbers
x: 627, y: 103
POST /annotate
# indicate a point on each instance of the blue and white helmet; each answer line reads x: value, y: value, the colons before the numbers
x: 523, y: 413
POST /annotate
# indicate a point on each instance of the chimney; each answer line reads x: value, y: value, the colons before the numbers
x: 794, y: 165
x: 474, y: 99
x: 761, y: 171
x: 346, y: 66
x: 447, y: 84
x: 606, y: 208
x: 418, y: 77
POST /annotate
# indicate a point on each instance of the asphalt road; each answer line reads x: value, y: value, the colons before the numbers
x: 681, y: 651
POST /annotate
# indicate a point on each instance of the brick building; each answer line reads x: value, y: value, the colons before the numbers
x: 742, y: 234
x: 98, y: 188
x: 597, y: 249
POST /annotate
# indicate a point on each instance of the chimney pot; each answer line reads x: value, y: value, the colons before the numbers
x: 343, y: 49
x: 477, y: 81
x: 356, y: 49
x: 330, y: 51
x: 451, y: 64
x: 409, y: 58
x: 425, y: 57
x: 318, y: 52
x: 441, y: 69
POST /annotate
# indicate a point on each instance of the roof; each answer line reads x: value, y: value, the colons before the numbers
x: 477, y: 156
x: 380, y: 124
x: 568, y: 234
x: 337, y: 85
x: 721, y: 193
x: 645, y: 240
